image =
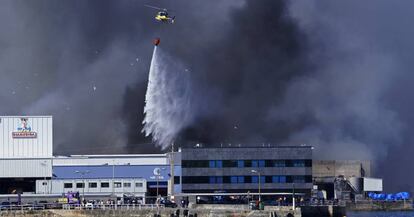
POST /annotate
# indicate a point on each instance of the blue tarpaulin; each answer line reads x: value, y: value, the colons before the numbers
x: 389, y: 197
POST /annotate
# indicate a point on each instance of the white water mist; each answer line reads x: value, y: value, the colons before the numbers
x: 167, y: 101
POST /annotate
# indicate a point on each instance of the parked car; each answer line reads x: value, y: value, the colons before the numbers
x: 89, y: 205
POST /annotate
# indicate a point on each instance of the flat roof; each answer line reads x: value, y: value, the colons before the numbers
x: 27, y: 116
x: 246, y: 146
x: 112, y: 156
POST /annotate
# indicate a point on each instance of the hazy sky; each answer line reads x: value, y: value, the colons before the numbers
x: 333, y: 74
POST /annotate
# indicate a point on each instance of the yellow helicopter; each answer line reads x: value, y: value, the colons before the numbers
x: 162, y: 15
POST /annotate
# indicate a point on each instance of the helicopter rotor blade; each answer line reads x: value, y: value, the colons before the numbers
x: 157, y: 8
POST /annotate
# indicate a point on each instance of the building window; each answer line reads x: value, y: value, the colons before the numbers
x: 127, y: 185
x: 138, y: 184
x: 298, y: 179
x: 279, y: 163
x: 219, y: 164
x: 177, y: 180
x: 105, y: 185
x: 240, y: 179
x: 262, y: 163
x: 298, y: 163
x: 67, y: 185
x: 212, y: 180
x: 240, y: 163
x: 278, y: 179
x: 195, y: 163
x: 117, y: 184
x: 93, y: 185
x: 79, y: 185
x: 255, y: 179
x: 219, y: 179
x: 233, y: 179
x: 255, y: 163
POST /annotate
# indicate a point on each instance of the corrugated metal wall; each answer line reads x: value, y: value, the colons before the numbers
x: 39, y: 147
x: 25, y: 168
x: 27, y: 157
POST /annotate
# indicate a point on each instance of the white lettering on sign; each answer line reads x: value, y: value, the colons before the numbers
x: 23, y: 135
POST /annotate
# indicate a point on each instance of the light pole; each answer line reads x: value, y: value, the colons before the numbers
x: 258, y: 172
x: 157, y: 173
x: 82, y: 175
x: 113, y: 177
x: 293, y: 196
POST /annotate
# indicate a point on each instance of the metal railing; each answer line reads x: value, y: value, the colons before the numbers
x: 82, y: 206
x: 113, y: 206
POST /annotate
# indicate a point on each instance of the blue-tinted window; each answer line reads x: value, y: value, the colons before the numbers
x: 219, y: 179
x: 255, y: 179
x: 298, y: 163
x: 240, y: 163
x: 233, y: 179
x: 219, y: 163
x: 298, y: 179
x: 282, y: 179
x: 240, y: 179
x: 255, y: 163
x: 212, y: 164
x: 212, y: 179
x: 261, y: 163
x: 279, y: 163
x: 275, y: 179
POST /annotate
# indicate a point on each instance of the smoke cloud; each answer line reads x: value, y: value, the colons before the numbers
x: 336, y: 75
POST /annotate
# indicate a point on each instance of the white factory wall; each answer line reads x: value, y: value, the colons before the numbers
x: 25, y: 168
x: 95, y: 160
x: 41, y: 146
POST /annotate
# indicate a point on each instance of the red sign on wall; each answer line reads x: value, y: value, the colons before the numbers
x: 24, y: 135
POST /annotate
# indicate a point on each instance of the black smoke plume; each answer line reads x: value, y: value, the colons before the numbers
x: 333, y: 75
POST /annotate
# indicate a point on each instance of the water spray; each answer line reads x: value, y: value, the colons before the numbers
x: 168, y: 99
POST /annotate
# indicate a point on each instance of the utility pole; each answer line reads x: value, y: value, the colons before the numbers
x: 258, y: 172
x: 113, y: 177
x: 293, y: 197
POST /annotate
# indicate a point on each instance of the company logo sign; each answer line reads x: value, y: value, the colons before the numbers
x: 24, y: 131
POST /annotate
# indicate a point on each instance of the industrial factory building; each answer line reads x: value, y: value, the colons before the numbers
x: 26, y: 145
x: 28, y: 167
x: 344, y: 179
x: 267, y: 171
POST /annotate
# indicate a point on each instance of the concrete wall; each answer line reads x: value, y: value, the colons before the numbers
x: 347, y: 168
